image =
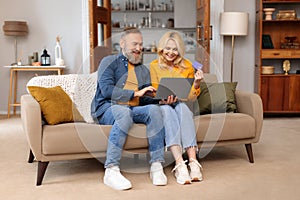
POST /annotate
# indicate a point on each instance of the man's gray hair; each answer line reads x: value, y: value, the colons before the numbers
x: 129, y: 30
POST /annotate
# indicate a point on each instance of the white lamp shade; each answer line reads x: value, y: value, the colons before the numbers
x: 234, y: 23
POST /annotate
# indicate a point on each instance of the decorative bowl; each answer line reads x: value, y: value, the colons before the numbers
x: 267, y: 70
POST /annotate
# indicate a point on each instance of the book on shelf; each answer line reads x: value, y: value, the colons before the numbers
x: 267, y: 42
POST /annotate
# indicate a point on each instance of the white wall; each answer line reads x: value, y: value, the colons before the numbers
x: 185, y: 13
x: 244, y: 49
x: 46, y: 19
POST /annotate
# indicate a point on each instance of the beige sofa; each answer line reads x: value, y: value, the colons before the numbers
x: 80, y: 140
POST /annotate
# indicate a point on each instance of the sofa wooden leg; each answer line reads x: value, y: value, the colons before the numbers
x: 31, y: 157
x: 42, y: 166
x: 249, y: 152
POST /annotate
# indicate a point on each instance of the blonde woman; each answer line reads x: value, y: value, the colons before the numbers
x: 178, y: 119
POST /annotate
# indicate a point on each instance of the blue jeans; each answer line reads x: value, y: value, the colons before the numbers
x: 121, y: 118
x: 179, y: 126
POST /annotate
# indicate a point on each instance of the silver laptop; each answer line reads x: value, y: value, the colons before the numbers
x: 179, y: 87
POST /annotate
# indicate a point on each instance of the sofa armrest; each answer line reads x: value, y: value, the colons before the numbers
x: 251, y: 104
x: 31, y: 117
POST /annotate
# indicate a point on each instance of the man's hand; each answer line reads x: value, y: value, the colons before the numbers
x: 142, y: 92
x: 171, y: 99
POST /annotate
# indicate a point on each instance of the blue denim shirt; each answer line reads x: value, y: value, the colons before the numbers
x: 112, y: 76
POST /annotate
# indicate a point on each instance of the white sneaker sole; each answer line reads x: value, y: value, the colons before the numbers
x: 196, y: 179
x: 184, y: 182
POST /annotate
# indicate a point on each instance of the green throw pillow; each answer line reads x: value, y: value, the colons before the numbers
x: 56, y: 106
x: 216, y: 98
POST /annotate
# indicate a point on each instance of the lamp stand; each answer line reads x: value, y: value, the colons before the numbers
x: 16, y: 29
x: 16, y: 50
x: 232, y: 55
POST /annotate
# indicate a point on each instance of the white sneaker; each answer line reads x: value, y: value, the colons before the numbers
x: 182, y: 173
x: 114, y: 179
x: 195, y: 167
x: 157, y: 174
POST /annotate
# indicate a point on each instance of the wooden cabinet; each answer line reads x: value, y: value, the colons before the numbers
x: 277, y: 41
x: 280, y: 93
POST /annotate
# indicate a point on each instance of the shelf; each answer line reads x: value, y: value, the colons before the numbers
x: 279, y: 2
x: 157, y: 28
x: 279, y: 75
x: 142, y: 11
x: 281, y: 20
x: 151, y: 53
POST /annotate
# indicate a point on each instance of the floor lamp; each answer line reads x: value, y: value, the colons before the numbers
x: 16, y: 29
x: 234, y: 24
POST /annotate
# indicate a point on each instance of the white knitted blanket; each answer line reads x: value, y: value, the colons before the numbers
x: 80, y: 87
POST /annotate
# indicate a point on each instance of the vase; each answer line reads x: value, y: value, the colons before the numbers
x: 268, y: 13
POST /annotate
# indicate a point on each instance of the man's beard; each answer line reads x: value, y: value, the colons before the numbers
x: 131, y: 57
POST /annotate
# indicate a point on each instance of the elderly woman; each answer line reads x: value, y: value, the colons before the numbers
x: 178, y: 119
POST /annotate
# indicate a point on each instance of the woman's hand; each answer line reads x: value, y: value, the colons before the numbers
x: 149, y: 90
x: 198, y: 78
x: 171, y: 99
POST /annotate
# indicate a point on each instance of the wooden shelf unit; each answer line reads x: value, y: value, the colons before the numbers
x: 280, y: 93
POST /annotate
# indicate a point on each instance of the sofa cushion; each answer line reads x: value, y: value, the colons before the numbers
x: 216, y: 98
x: 85, y: 137
x: 224, y: 127
x: 56, y: 105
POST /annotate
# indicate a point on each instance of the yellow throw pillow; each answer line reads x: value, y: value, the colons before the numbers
x: 57, y: 107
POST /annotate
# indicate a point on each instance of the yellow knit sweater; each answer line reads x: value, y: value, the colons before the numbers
x: 157, y: 73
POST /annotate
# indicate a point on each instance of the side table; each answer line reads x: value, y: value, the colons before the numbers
x: 13, y: 81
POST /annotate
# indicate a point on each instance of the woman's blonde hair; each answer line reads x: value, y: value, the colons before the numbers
x: 176, y: 37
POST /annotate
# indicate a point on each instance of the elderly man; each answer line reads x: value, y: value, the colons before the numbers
x: 120, y: 101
